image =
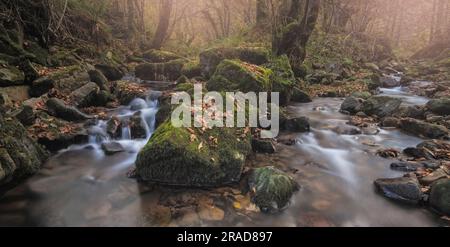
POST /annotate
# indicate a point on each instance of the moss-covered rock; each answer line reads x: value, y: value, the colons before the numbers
x: 381, y: 106
x: 234, y: 75
x: 192, y: 69
x: 113, y: 73
x: 300, y: 96
x: 422, y: 128
x: 40, y: 53
x: 58, y: 108
x: 86, y: 95
x: 272, y: 189
x: 58, y: 134
x: 169, y: 71
x: 20, y: 156
x: 10, y: 76
x: 186, y: 157
x: 126, y: 92
x: 210, y: 59
x: 100, y: 79
x: 440, y: 106
x: 158, y: 56
x: 440, y: 196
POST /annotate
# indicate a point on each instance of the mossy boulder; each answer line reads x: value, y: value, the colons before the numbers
x: 100, y: 79
x: 351, y: 105
x: 210, y: 59
x: 300, y: 96
x: 235, y: 75
x: 58, y: 108
x: 422, y: 128
x: 440, y: 196
x: 86, y: 95
x: 111, y: 72
x: 20, y: 156
x: 126, y: 92
x: 58, y: 134
x: 381, y: 106
x: 440, y: 106
x: 168, y: 71
x: 41, y: 54
x: 189, y: 157
x: 271, y: 189
x: 158, y: 56
x: 192, y: 69
x: 10, y: 76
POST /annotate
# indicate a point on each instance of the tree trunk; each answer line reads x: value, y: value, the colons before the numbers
x: 163, y: 25
x: 291, y: 39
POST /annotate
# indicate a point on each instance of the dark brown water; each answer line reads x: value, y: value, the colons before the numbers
x: 83, y: 187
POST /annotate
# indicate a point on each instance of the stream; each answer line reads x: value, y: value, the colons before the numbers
x: 81, y: 186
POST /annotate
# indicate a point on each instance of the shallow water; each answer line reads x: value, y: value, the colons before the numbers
x: 81, y: 186
x: 405, y: 95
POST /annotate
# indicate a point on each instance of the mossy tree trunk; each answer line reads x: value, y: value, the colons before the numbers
x: 292, y: 35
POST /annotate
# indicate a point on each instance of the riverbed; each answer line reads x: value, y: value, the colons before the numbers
x: 81, y: 186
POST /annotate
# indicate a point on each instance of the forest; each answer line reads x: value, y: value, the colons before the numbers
x: 87, y: 136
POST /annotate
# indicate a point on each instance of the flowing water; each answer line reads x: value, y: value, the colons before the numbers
x: 81, y: 186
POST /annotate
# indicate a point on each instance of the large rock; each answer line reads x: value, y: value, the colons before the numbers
x: 440, y: 106
x: 298, y: 124
x: 41, y: 86
x: 10, y: 76
x: 58, y: 134
x: 410, y: 112
x: 271, y: 189
x: 100, y: 79
x: 389, y: 81
x: 169, y: 71
x: 422, y: 128
x: 179, y: 156
x: 440, y: 196
x: 234, y: 75
x: 300, y: 96
x: 58, y: 108
x: 351, y: 105
x: 20, y: 156
x: 65, y: 80
x: 210, y: 59
x: 86, y: 95
x: 126, y: 92
x: 158, y: 56
x: 110, y: 72
x: 381, y: 106
x: 404, y: 189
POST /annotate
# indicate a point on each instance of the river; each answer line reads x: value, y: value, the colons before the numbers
x: 81, y: 186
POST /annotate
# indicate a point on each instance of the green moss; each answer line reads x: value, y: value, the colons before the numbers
x: 40, y: 53
x: 158, y: 56
x: 211, y: 58
x: 20, y: 156
x: 170, y: 71
x: 272, y: 189
x: 173, y: 156
x: 234, y: 75
x: 192, y: 69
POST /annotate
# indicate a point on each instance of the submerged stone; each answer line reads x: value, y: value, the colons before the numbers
x: 402, y: 189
